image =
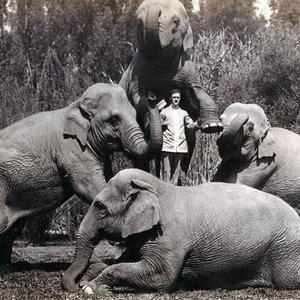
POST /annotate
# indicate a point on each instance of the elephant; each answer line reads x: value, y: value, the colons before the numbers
x: 258, y: 155
x: 50, y: 156
x: 214, y: 235
x: 163, y: 62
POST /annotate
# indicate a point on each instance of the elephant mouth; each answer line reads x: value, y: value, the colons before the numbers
x: 226, y: 151
x: 115, y: 145
x: 231, y: 139
x: 114, y: 239
x: 161, y: 55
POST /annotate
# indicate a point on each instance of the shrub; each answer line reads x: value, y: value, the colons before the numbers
x: 263, y: 69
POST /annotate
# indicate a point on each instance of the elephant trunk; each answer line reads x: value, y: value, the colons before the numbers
x: 227, y: 140
x: 86, y: 241
x: 151, y: 31
x: 134, y: 140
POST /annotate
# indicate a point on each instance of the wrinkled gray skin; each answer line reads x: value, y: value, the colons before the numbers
x: 255, y: 154
x: 50, y: 156
x: 214, y: 235
x: 162, y: 63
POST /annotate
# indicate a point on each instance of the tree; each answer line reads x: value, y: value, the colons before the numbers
x: 235, y: 16
x: 51, y: 86
x: 30, y: 25
x: 3, y: 4
x: 287, y: 11
x: 112, y: 41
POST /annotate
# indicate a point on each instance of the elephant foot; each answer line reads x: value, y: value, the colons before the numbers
x: 211, y: 126
x: 92, y: 272
x: 92, y: 288
x: 68, y: 284
x: 5, y: 257
x: 209, y: 121
x: 5, y: 269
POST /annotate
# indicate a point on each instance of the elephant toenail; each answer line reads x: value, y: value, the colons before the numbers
x: 88, y: 290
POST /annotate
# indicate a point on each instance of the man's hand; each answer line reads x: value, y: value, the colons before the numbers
x: 151, y: 100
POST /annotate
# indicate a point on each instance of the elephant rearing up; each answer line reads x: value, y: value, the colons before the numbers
x: 50, y: 156
x: 165, y: 45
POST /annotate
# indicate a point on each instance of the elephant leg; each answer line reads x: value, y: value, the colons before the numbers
x: 6, y: 244
x: 253, y: 283
x: 6, y: 241
x: 209, y: 118
x: 285, y: 268
x: 109, y: 253
x: 92, y: 272
x: 139, y: 275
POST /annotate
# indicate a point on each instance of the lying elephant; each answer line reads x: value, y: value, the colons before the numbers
x: 255, y: 154
x: 162, y: 63
x: 214, y: 235
x: 49, y: 156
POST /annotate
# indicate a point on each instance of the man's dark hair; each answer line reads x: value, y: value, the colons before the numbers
x: 174, y: 91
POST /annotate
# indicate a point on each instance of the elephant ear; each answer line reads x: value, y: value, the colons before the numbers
x: 77, y: 120
x: 266, y: 146
x: 143, y: 212
x: 188, y: 43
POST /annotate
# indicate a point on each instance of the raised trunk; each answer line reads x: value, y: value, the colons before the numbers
x: 227, y: 140
x: 151, y: 31
x: 86, y: 241
x: 134, y: 139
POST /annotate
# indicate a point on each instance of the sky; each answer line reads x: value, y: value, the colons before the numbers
x: 262, y: 8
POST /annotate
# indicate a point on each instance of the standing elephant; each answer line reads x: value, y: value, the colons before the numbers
x: 50, y: 156
x: 214, y: 235
x: 255, y: 154
x: 162, y: 63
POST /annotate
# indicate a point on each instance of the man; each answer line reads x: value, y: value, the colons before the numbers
x: 174, y: 122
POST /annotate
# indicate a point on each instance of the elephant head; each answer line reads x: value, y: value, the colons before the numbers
x: 163, y: 28
x: 246, y: 134
x: 103, y: 119
x: 127, y: 206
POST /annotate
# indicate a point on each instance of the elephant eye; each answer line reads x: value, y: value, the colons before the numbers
x: 101, y: 208
x: 129, y: 199
x: 250, y: 128
x: 176, y: 21
x: 113, y: 120
x: 133, y: 197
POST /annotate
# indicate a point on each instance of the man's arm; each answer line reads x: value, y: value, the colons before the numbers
x: 190, y: 124
x: 163, y: 120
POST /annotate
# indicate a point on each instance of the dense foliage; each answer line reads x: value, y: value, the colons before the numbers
x: 50, y: 51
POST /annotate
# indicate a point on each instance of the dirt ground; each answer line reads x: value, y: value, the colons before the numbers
x: 37, y: 271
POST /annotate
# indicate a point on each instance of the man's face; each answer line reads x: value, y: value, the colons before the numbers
x: 175, y: 99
